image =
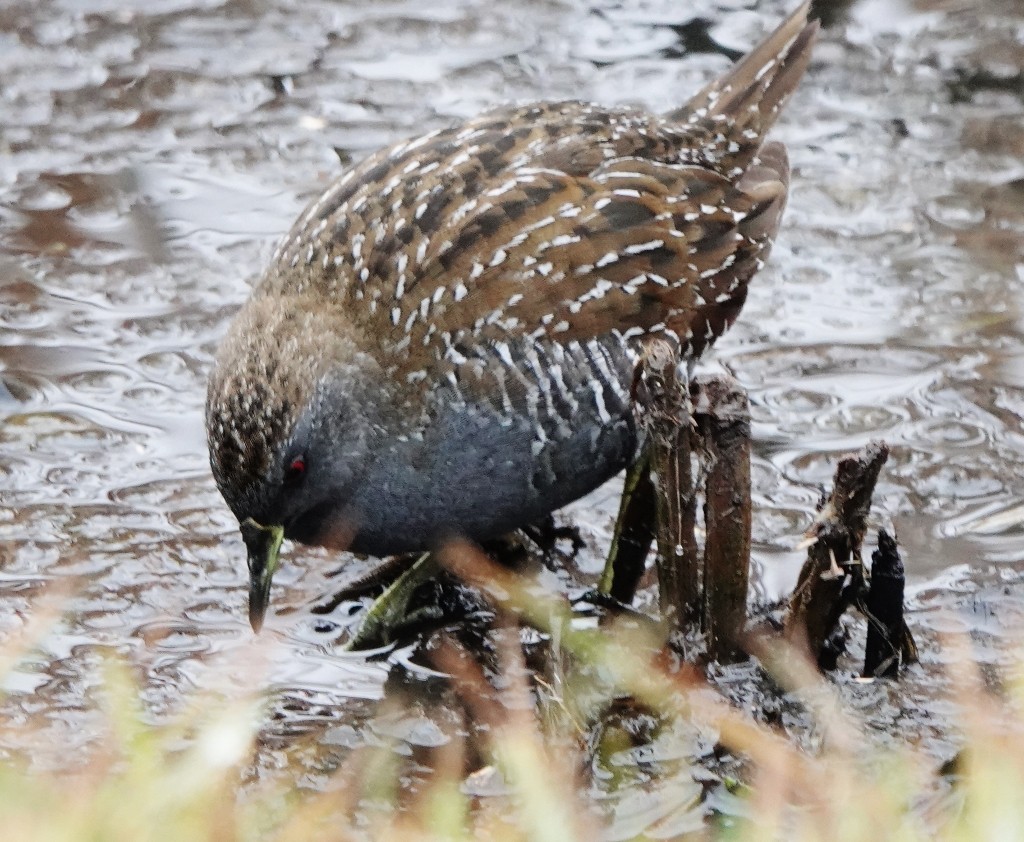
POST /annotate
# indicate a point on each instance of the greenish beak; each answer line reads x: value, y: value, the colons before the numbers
x: 263, y: 544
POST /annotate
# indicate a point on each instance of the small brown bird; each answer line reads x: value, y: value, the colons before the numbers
x: 444, y: 343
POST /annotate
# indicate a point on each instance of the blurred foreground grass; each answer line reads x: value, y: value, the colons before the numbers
x: 191, y: 778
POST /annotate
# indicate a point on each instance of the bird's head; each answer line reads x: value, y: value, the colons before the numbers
x: 290, y: 421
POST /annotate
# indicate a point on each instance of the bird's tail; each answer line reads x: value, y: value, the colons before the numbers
x: 737, y: 110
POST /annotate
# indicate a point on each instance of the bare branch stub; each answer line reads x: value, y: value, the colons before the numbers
x: 663, y: 410
x: 722, y: 415
x: 834, y: 556
x: 705, y: 591
x: 890, y: 642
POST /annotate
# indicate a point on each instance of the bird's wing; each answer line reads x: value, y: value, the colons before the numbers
x: 637, y: 246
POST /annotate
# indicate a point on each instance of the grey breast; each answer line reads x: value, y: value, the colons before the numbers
x: 532, y: 427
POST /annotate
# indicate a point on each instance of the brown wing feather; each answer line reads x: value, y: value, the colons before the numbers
x: 638, y: 246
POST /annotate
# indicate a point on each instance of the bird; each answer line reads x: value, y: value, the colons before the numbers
x: 445, y: 341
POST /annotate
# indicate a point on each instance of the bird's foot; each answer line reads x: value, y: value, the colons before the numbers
x: 390, y: 611
x: 546, y: 534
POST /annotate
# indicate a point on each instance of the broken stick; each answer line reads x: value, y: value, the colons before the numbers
x: 722, y: 413
x: 833, y: 573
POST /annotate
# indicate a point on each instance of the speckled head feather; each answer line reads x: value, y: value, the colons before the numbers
x: 266, y: 372
x: 472, y: 297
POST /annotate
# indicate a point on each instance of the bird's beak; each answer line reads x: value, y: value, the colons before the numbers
x: 263, y: 544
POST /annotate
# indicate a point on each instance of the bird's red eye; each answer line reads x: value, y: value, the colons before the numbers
x: 295, y: 470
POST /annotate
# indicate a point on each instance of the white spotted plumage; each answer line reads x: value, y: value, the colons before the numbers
x: 516, y: 259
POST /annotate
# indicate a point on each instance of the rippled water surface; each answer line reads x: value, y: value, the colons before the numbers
x: 151, y: 152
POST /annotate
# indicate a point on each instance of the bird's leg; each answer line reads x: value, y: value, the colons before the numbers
x: 379, y: 577
x: 609, y: 603
x: 388, y: 611
x: 634, y: 531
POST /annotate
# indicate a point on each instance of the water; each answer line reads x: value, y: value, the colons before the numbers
x: 150, y: 153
